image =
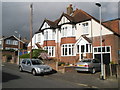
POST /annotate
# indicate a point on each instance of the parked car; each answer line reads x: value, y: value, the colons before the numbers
x: 91, y: 65
x: 35, y: 66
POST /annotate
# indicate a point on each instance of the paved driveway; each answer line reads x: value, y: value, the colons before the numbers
x: 87, y: 79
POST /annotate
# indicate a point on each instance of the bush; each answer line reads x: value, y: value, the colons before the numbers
x: 25, y: 56
x: 9, y: 57
x: 35, y: 54
x: 60, y: 63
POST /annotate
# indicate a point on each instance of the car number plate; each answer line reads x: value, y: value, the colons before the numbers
x: 81, y: 65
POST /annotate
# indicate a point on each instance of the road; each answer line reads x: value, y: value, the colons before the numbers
x: 12, y: 78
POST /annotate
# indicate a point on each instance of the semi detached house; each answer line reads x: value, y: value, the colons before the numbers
x: 76, y: 35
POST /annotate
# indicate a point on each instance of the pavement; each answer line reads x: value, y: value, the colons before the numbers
x: 84, y: 79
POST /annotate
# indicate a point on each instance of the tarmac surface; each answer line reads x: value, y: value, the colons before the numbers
x: 78, y: 80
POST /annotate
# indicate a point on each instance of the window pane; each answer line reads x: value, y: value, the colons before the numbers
x: 103, y: 49
x: 99, y: 49
x: 108, y: 49
x: 65, y: 51
x: 69, y: 51
x: 95, y: 49
x: 82, y: 48
x: 77, y: 48
x: 86, y: 47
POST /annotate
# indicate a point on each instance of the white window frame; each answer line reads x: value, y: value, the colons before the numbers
x: 49, y: 35
x: 39, y: 37
x: 102, y: 52
x: 89, y: 48
x: 50, y: 49
x: 63, y: 47
x: 15, y: 42
x: 100, y: 48
x: 8, y: 41
x: 85, y: 27
x: 65, y: 31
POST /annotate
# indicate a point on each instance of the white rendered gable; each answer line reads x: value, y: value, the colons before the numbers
x: 81, y: 41
x: 45, y: 25
x: 96, y: 29
x: 63, y: 20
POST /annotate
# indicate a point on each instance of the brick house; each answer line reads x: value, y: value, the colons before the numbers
x: 11, y: 42
x: 76, y: 35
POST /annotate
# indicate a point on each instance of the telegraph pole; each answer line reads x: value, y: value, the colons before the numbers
x: 31, y: 28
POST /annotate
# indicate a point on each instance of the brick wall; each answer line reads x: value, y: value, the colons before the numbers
x: 109, y: 40
x: 68, y: 40
x: 49, y: 43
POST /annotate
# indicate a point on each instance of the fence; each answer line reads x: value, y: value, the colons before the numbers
x: 111, y: 70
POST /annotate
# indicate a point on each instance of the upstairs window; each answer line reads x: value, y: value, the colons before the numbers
x: 8, y: 42
x: 85, y: 28
x: 39, y: 37
x: 15, y: 42
x: 68, y: 31
x: 49, y: 35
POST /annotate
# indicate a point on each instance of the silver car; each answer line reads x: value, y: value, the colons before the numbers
x: 91, y: 65
x: 35, y: 66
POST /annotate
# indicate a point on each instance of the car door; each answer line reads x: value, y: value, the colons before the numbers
x: 23, y: 64
x: 28, y: 66
x: 96, y: 64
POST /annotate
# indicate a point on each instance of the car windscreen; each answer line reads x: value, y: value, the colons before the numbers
x: 36, y: 62
x: 86, y: 61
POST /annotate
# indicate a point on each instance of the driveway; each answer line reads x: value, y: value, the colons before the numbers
x: 86, y: 79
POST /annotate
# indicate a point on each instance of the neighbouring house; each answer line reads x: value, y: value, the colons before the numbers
x: 10, y: 45
x: 12, y: 42
x: 76, y: 35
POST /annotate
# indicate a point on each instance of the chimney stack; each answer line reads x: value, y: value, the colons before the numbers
x: 69, y: 9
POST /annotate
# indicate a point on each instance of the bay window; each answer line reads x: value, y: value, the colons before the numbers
x: 67, y: 49
x: 51, y: 50
x: 68, y: 30
x: 49, y: 35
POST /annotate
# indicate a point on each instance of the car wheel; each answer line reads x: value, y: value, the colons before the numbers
x: 34, y: 72
x: 93, y: 71
x: 20, y: 69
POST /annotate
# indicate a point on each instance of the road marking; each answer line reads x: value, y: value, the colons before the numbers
x: 82, y: 84
x: 86, y: 85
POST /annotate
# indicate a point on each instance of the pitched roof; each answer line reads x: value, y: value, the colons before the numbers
x: 14, y: 38
x: 113, y: 25
x: 87, y: 39
x: 67, y: 16
x: 80, y: 15
x: 50, y: 23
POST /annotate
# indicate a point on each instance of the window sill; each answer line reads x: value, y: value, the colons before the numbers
x: 67, y: 36
x: 49, y: 40
x: 67, y: 55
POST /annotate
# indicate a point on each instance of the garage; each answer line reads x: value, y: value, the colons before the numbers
x: 105, y: 52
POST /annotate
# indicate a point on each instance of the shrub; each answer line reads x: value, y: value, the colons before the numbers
x: 25, y: 56
x: 60, y: 63
x: 9, y: 57
x: 36, y: 53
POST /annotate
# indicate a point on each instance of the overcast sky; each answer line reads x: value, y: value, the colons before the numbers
x: 15, y: 16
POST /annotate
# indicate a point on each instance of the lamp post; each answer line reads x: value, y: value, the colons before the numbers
x: 18, y: 47
x: 102, y: 66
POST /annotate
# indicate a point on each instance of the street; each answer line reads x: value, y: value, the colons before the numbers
x: 12, y: 78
